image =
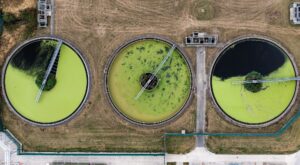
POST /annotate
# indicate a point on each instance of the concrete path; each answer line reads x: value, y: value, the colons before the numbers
x: 107, y: 160
x: 52, y: 21
x: 201, y: 95
x: 199, y: 156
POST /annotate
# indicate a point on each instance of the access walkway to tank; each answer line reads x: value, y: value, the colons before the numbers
x: 200, y: 40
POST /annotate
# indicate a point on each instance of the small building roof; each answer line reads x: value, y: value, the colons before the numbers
x: 201, y: 39
x: 44, y: 10
x: 295, y: 12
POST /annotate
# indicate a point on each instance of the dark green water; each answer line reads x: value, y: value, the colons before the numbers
x: 249, y: 55
x: 1, y: 23
x: 242, y: 58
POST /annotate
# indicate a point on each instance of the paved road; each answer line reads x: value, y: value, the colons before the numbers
x: 109, y: 160
x: 201, y: 95
x: 201, y: 155
x: 52, y: 21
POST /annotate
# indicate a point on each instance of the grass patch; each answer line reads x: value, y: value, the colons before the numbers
x: 179, y: 144
x: 10, y: 21
x: 203, y: 10
x: 27, y: 17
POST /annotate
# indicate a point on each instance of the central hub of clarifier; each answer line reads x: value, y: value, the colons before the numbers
x: 149, y: 85
x: 253, y: 87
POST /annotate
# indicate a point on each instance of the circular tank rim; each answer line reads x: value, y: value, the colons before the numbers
x: 115, y: 54
x: 235, y: 121
x: 84, y: 100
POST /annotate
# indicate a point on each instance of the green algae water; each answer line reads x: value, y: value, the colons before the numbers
x: 234, y: 64
x: 162, y: 102
x: 55, y: 105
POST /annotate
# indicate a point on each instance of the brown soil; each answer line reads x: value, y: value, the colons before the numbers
x: 15, y: 6
x: 99, y: 27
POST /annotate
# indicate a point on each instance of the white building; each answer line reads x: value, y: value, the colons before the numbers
x: 44, y: 10
x: 295, y: 12
x: 201, y: 39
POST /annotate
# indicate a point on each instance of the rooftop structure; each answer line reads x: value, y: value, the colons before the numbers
x: 295, y: 12
x: 44, y: 10
x: 201, y: 39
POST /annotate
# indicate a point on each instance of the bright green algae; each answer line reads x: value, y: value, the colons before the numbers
x: 162, y: 102
x: 56, y: 104
x: 255, y: 108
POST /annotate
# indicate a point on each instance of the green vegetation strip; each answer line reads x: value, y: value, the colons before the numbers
x: 203, y: 10
x: 27, y: 17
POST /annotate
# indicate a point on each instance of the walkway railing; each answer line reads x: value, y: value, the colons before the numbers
x: 275, y: 80
x: 48, y: 71
x: 156, y: 71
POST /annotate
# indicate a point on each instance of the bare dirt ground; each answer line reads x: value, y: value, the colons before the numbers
x: 15, y: 6
x: 9, y: 39
x: 98, y: 27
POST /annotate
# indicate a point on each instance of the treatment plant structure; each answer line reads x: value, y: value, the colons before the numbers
x: 151, y: 82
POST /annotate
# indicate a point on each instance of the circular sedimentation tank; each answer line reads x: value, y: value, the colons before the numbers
x: 133, y: 65
x: 253, y: 104
x: 66, y: 89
